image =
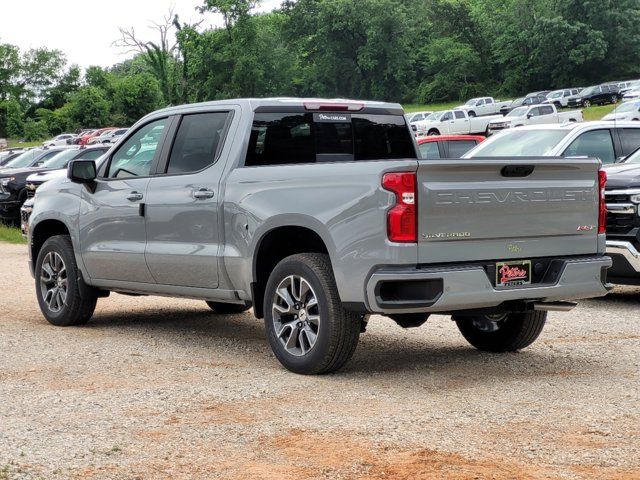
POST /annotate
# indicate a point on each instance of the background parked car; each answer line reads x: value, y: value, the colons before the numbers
x: 530, y: 99
x: 477, y: 107
x: 31, y: 158
x: 60, y: 140
x: 535, y: 115
x: 632, y: 94
x: 109, y: 137
x: 35, y: 180
x: 610, y: 142
x: 447, y: 146
x: 560, y: 98
x: 96, y: 133
x: 7, y: 156
x: 454, y: 122
x: 627, y: 111
x: 3, y: 143
x: 595, y: 95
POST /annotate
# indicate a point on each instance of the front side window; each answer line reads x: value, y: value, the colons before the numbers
x: 295, y: 138
x: 92, y: 154
x: 197, y: 142
x: 135, y: 156
x: 447, y: 116
x: 594, y: 144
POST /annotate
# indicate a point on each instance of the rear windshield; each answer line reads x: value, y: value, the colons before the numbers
x: 519, y: 143
x: 293, y: 138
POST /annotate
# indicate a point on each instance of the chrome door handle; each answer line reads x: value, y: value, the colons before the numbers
x: 203, y: 194
x: 134, y: 197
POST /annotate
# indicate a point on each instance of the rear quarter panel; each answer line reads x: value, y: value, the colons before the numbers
x: 343, y: 203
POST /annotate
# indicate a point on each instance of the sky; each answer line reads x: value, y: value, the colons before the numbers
x: 85, y: 29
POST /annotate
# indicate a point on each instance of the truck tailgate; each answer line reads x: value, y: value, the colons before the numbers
x: 495, y: 209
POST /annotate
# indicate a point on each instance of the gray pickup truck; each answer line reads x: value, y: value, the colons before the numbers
x: 317, y: 213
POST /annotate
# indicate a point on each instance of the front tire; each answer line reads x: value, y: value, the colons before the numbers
x: 308, y: 329
x: 64, y: 298
x: 502, y: 333
x: 433, y: 132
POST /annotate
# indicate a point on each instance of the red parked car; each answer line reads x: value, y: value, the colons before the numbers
x: 447, y: 146
x: 95, y: 133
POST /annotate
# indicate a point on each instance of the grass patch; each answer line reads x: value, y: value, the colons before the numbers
x: 11, y: 235
x: 597, y: 112
x: 14, y: 143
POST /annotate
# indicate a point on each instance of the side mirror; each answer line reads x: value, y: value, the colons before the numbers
x: 529, y: 115
x: 619, y: 160
x: 82, y: 171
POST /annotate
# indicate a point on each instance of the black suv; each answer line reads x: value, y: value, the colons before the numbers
x: 13, y: 182
x: 596, y: 95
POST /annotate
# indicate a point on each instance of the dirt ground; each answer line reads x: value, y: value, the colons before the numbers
x: 163, y: 388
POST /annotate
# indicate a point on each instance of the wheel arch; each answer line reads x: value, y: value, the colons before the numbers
x: 277, y: 243
x: 44, y: 230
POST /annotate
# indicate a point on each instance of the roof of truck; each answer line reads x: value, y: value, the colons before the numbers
x: 285, y: 103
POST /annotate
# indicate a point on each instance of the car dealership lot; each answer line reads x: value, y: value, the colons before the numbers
x: 158, y: 388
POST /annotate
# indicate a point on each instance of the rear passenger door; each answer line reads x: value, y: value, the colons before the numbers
x: 183, y: 201
x: 461, y: 124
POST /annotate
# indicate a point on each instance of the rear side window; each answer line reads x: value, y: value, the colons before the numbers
x: 429, y: 150
x: 630, y: 139
x: 458, y: 148
x: 295, y: 138
x: 459, y: 114
x: 197, y: 141
x: 596, y: 143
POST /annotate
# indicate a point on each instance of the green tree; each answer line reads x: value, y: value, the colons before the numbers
x: 89, y: 108
x: 134, y: 97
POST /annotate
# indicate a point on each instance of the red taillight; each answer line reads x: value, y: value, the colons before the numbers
x: 602, y: 217
x: 402, y: 218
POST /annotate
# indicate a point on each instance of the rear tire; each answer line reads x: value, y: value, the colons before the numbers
x: 471, y: 114
x: 228, y: 308
x: 308, y: 329
x: 586, y: 104
x: 506, y: 333
x: 64, y: 299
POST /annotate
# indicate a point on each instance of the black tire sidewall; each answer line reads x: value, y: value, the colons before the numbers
x: 58, y: 245
x: 309, y: 362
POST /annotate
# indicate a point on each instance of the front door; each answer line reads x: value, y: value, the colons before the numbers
x: 112, y: 223
x: 183, y: 238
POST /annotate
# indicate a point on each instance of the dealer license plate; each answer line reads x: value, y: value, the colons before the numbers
x: 510, y: 274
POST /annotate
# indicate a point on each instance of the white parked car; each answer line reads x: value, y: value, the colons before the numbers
x: 608, y: 141
x: 112, y: 137
x: 454, y: 122
x: 560, y: 98
x: 627, y: 111
x: 534, y: 115
x: 58, y: 141
x: 477, y: 107
x: 633, y: 94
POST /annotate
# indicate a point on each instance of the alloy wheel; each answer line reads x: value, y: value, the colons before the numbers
x: 296, y: 316
x: 53, y: 282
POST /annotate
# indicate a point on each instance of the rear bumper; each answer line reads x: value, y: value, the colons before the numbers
x: 626, y: 262
x: 445, y: 289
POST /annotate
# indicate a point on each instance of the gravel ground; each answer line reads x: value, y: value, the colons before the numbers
x: 163, y: 388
